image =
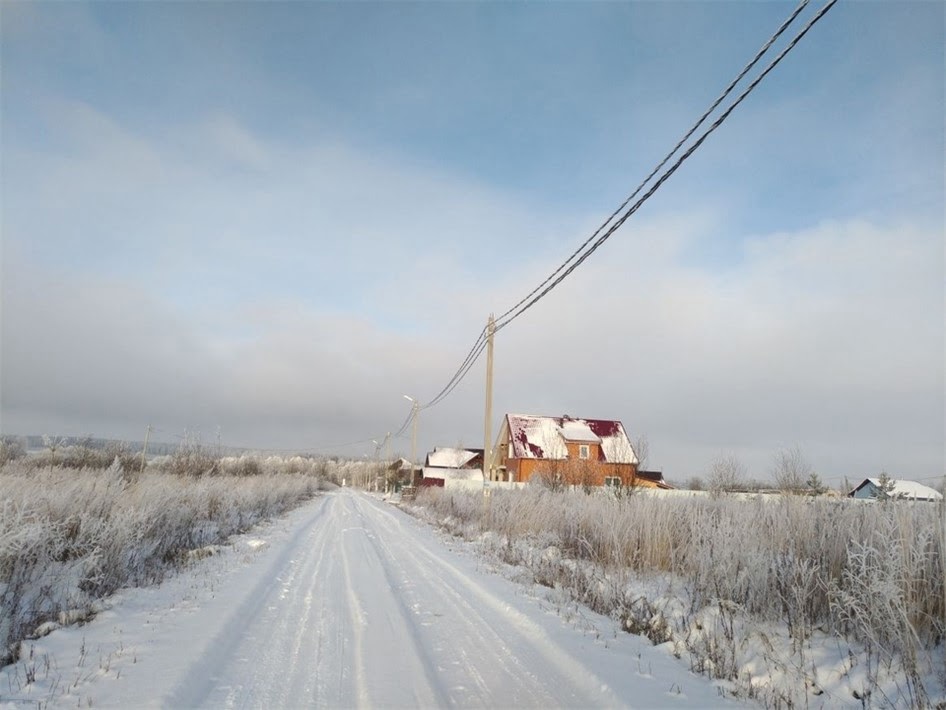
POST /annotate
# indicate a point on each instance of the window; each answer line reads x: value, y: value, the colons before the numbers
x: 612, y: 481
x: 583, y: 451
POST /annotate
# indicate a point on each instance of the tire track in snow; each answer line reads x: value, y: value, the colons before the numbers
x: 199, y: 682
x: 477, y: 631
x: 577, y: 675
x: 358, y: 620
x: 431, y: 691
x: 363, y: 608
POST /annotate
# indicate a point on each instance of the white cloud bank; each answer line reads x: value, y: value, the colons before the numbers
x: 292, y: 300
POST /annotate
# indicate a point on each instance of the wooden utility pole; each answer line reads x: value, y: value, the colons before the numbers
x: 487, y: 433
x: 415, y: 410
x: 414, y: 443
x: 144, y: 450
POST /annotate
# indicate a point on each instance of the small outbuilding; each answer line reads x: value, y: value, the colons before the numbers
x: 443, y: 464
x: 899, y: 489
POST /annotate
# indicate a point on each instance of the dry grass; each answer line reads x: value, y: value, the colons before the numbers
x: 70, y: 537
x: 871, y: 573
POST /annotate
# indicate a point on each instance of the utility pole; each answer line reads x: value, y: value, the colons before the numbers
x: 487, y: 433
x: 415, y: 410
x: 378, y: 446
x: 387, y: 458
x: 414, y: 442
x: 144, y: 450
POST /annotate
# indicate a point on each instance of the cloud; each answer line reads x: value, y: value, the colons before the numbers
x: 295, y: 311
x: 830, y: 338
x: 288, y: 272
x: 236, y: 144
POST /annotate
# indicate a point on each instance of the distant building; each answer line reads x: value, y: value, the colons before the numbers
x: 443, y: 464
x: 402, y: 473
x: 870, y: 489
x: 568, y: 450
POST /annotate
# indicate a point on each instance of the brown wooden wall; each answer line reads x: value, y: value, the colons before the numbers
x: 576, y: 472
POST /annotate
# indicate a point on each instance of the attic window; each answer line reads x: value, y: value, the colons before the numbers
x: 583, y: 451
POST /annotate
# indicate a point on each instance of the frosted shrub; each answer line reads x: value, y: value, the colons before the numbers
x: 81, y: 456
x: 11, y: 449
x: 70, y: 537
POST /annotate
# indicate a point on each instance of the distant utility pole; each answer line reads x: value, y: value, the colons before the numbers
x: 415, y: 409
x: 487, y: 433
x: 144, y: 449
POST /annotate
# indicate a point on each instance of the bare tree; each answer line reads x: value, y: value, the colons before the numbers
x: 791, y: 470
x: 694, y: 483
x: 727, y: 473
x: 53, y: 443
x: 642, y: 449
x: 549, y: 476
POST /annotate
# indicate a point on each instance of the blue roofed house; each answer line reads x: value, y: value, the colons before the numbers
x: 872, y: 489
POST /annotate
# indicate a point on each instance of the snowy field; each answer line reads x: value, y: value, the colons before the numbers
x: 792, y: 601
x: 347, y: 602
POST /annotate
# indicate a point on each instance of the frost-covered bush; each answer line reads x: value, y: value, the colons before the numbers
x: 84, y: 455
x: 70, y: 537
x: 873, y: 574
x: 11, y: 449
x: 255, y: 465
x: 193, y: 459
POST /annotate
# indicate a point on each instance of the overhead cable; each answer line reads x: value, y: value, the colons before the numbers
x: 528, y: 303
x: 604, y: 232
x: 686, y: 137
x: 461, y: 371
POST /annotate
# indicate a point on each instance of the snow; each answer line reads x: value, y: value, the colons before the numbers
x: 454, y: 474
x: 536, y: 437
x: 347, y: 601
x: 449, y: 458
x: 618, y: 449
x: 910, y: 489
x: 573, y: 430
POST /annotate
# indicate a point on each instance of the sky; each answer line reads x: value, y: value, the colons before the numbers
x: 265, y: 224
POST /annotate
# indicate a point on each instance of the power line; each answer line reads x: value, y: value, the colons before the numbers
x: 461, y: 371
x: 670, y: 171
x: 584, y: 251
x: 600, y: 236
x: 479, y: 351
x: 765, y: 47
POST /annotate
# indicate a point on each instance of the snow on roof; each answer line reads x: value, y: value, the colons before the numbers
x: 450, y: 458
x: 910, y: 489
x: 535, y: 437
x: 573, y: 430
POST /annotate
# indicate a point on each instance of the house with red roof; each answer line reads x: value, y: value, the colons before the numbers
x: 568, y: 450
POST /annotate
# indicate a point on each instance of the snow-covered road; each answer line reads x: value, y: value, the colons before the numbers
x: 353, y: 603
